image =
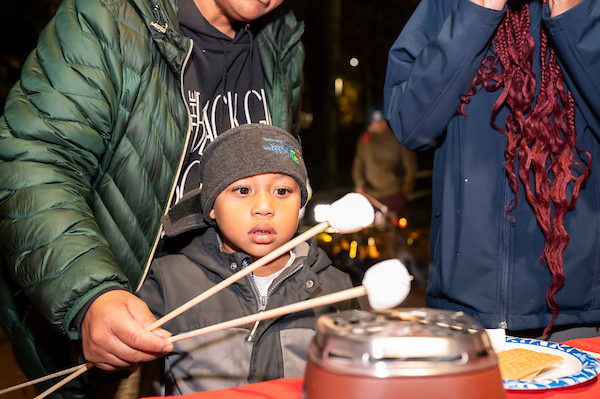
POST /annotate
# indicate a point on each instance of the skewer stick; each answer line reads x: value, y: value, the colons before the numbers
x: 82, y: 369
x: 41, y: 379
x: 376, y: 203
x: 281, y: 311
x: 386, y: 283
x: 247, y: 270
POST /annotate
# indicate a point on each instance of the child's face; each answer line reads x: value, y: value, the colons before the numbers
x: 258, y: 214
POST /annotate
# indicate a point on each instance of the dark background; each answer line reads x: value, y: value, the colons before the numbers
x: 336, y: 31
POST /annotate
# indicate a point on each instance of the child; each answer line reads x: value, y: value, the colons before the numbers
x: 253, y: 186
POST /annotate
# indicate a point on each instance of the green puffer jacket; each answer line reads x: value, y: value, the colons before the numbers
x: 91, y: 142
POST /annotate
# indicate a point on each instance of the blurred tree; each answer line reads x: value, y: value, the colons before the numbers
x: 337, y: 31
x: 369, y: 30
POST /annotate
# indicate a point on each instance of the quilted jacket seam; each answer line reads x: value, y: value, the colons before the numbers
x: 58, y: 273
x: 139, y: 229
x: 101, y: 199
x: 159, y: 142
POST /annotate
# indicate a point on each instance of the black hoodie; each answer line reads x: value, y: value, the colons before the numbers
x: 220, y: 67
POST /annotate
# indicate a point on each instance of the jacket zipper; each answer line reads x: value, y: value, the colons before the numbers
x: 158, y: 16
x: 262, y: 303
x: 505, y: 266
x: 179, y: 167
x: 261, y: 308
x: 278, y: 283
x: 263, y: 300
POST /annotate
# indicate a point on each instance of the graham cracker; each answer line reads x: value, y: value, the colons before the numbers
x: 524, y: 364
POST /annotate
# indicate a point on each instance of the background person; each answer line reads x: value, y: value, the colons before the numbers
x: 383, y: 168
x: 506, y: 94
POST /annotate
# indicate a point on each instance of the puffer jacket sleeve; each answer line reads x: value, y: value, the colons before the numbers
x: 54, y: 132
x: 431, y: 64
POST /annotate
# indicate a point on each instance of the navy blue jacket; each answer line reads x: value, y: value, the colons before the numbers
x: 484, y: 263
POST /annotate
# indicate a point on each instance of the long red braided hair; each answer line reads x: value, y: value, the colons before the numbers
x: 541, y: 138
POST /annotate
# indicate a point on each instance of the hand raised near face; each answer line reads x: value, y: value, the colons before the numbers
x: 491, y: 4
x: 557, y: 7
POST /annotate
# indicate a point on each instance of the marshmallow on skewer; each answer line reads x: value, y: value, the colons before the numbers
x: 387, y: 284
x: 353, y: 212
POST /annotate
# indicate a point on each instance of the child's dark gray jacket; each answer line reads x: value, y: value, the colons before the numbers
x: 228, y: 358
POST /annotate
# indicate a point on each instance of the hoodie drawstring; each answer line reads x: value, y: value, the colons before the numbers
x: 223, y: 79
x: 251, y: 55
x: 224, y: 72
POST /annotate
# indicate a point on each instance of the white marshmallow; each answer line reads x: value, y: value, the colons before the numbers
x: 387, y: 284
x: 353, y: 212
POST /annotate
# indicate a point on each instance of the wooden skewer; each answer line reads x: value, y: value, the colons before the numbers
x: 41, y: 379
x: 82, y: 369
x: 276, y: 253
x: 376, y: 203
x: 206, y: 294
x: 283, y: 310
x: 245, y: 271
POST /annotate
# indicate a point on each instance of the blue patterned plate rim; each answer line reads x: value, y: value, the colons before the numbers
x: 590, y: 367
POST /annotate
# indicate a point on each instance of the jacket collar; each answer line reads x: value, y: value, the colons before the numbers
x: 280, y: 31
x: 160, y: 16
x: 310, y: 260
x: 205, y: 249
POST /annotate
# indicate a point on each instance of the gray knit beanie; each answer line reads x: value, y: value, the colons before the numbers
x: 240, y: 152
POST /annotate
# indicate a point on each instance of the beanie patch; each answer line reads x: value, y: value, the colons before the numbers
x: 281, y: 147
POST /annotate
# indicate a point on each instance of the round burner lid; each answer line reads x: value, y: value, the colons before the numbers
x: 412, y: 342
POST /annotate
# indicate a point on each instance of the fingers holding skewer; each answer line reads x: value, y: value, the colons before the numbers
x: 114, y: 335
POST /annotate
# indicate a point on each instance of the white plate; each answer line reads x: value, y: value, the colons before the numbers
x: 576, y: 368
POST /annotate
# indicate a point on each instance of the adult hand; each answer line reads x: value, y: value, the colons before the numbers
x: 113, y: 333
x: 492, y: 4
x: 557, y: 7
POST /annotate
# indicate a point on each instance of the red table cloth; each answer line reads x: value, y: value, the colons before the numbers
x: 291, y: 388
